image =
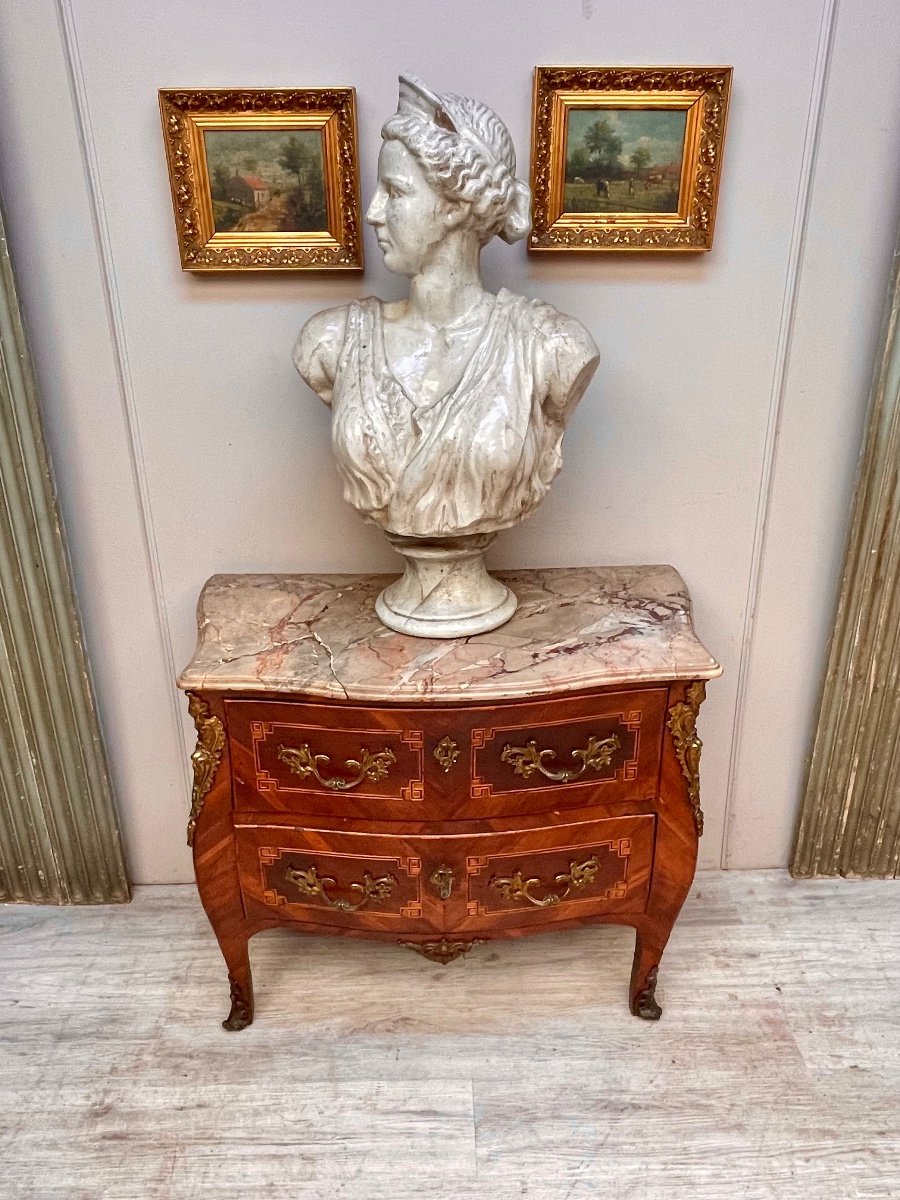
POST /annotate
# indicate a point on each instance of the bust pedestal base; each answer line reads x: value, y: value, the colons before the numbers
x: 445, y: 590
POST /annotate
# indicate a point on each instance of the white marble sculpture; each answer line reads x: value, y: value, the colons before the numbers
x: 449, y: 407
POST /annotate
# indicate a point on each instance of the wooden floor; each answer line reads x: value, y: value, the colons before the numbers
x: 371, y: 1074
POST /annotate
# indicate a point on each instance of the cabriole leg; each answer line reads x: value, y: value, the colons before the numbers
x: 644, y: 973
x: 241, y: 983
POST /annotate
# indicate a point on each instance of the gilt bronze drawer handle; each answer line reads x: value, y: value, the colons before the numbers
x: 442, y: 882
x: 371, y: 889
x: 446, y: 752
x: 525, y: 760
x: 516, y: 887
x: 301, y: 761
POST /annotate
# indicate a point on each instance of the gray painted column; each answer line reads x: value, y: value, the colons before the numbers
x: 850, y: 821
x: 59, y: 833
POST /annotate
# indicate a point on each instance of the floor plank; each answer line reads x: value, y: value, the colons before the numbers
x: 515, y: 1073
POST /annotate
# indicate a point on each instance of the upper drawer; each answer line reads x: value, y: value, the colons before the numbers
x: 324, y: 758
x: 445, y: 763
x: 609, y: 747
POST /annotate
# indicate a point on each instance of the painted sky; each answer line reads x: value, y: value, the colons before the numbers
x: 236, y: 148
x: 661, y: 131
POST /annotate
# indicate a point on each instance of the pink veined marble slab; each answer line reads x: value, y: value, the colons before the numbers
x: 318, y: 635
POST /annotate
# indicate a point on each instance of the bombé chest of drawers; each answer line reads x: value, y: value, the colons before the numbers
x: 357, y: 782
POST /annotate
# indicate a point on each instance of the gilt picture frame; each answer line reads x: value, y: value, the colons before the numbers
x: 264, y: 179
x: 627, y: 158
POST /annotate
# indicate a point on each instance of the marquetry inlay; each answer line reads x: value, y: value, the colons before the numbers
x: 342, y: 882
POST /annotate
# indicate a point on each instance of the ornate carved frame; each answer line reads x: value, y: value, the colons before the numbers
x: 703, y: 92
x: 187, y: 113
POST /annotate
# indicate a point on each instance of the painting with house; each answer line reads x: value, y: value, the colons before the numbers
x: 624, y: 160
x: 266, y: 180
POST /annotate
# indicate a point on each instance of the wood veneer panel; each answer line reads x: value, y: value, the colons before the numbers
x: 456, y: 866
x: 415, y: 785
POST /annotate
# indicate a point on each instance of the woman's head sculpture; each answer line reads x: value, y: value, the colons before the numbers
x: 448, y: 407
x: 462, y: 150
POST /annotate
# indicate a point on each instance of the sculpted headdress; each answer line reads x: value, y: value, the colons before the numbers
x: 478, y: 126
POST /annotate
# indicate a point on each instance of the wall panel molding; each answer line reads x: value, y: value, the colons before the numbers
x: 814, y: 120
x: 120, y: 348
x: 850, y: 819
x: 59, y: 832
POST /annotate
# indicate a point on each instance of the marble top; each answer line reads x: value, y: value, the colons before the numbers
x: 318, y: 635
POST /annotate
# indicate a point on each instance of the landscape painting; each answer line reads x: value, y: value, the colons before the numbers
x: 266, y: 180
x: 624, y: 160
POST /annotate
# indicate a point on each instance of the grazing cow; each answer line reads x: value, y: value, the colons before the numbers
x: 578, y: 179
x: 603, y: 188
x: 653, y: 179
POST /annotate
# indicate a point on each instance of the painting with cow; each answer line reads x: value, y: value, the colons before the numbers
x: 625, y: 160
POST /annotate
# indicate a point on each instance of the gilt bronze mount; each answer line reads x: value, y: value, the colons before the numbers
x: 595, y: 756
x: 303, y: 762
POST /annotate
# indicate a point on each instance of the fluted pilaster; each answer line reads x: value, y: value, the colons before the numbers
x: 59, y: 833
x: 850, y: 821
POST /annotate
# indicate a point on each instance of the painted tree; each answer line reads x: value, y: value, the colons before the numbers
x: 220, y: 181
x: 604, y: 146
x: 296, y: 159
x: 641, y: 159
x: 579, y: 163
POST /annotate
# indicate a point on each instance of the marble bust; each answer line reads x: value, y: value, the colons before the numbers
x: 448, y: 407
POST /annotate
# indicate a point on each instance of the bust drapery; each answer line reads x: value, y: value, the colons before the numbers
x: 478, y: 459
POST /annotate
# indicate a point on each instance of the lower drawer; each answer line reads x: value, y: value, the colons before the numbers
x: 326, y: 877
x: 554, y: 873
x: 471, y: 882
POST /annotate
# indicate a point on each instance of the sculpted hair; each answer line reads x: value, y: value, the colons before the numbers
x: 459, y: 171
